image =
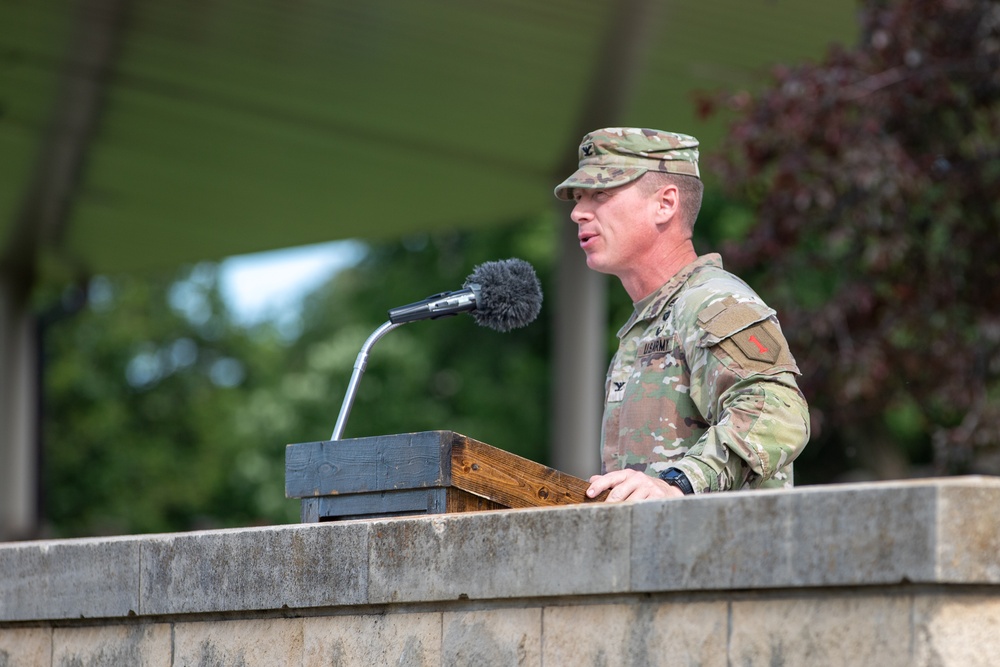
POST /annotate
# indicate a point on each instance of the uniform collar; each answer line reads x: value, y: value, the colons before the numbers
x: 650, y: 306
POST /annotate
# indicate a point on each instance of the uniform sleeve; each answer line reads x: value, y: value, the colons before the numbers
x: 743, y: 382
x: 762, y: 426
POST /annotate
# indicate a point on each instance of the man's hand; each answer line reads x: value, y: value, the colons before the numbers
x: 631, y: 485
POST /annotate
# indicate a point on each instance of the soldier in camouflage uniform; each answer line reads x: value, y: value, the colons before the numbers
x: 701, y: 395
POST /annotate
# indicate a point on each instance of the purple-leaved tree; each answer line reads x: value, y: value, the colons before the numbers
x: 875, y: 179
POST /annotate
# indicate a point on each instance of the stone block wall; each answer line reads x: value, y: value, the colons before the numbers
x: 902, y: 573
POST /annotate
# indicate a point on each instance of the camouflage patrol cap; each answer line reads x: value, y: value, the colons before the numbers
x: 615, y: 156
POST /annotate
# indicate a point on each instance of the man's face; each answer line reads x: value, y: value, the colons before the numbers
x: 615, y: 227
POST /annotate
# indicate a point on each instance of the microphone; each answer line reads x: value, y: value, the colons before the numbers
x: 501, y: 295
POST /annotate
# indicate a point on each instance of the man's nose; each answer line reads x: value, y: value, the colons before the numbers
x: 579, y: 213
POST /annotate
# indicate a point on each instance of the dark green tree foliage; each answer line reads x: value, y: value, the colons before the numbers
x: 875, y: 176
x: 448, y: 373
x: 163, y: 415
x: 141, y: 389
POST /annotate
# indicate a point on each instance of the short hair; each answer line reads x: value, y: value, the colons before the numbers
x: 690, y: 188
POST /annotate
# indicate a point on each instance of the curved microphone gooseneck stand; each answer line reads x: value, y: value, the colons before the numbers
x: 359, y: 369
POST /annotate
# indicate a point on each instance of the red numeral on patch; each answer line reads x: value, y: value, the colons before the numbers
x: 760, y: 346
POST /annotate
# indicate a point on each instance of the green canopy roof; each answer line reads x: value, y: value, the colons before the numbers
x: 139, y: 134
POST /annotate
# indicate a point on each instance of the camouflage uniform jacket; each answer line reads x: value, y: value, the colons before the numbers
x: 703, y: 382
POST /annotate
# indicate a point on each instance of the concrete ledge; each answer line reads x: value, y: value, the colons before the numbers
x: 69, y: 579
x: 939, y: 532
x: 504, y: 554
x: 893, y: 574
x: 850, y: 535
x: 254, y: 569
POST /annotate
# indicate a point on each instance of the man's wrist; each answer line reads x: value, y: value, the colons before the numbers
x: 675, y: 477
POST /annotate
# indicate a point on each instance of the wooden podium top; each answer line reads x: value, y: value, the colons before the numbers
x: 466, y: 469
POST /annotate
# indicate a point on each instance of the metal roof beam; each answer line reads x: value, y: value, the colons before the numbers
x: 580, y: 322
x: 41, y: 225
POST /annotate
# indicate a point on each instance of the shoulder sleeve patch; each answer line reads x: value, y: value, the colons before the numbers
x: 745, y: 336
x: 724, y: 318
x: 759, y: 349
x: 758, y: 343
x: 709, y: 313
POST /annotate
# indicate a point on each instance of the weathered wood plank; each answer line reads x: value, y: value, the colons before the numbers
x: 380, y: 504
x: 309, y: 510
x: 463, y: 501
x: 417, y: 473
x: 363, y: 465
x: 510, y: 480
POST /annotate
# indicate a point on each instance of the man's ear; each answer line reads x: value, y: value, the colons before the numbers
x: 668, y: 203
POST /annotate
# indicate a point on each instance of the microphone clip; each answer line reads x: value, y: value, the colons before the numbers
x: 438, y: 305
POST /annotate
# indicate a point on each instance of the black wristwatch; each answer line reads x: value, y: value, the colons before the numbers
x: 675, y: 477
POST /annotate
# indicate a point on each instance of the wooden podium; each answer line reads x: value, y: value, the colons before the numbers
x: 431, y: 472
